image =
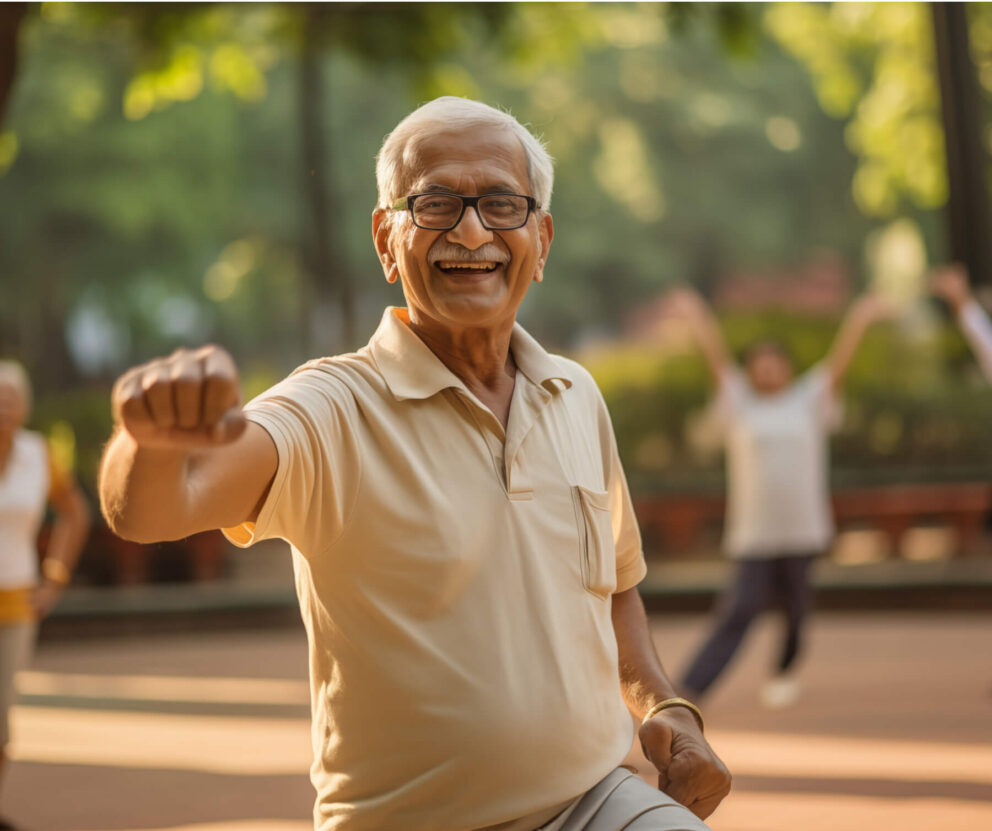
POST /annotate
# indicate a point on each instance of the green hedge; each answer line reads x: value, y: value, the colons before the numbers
x: 916, y: 407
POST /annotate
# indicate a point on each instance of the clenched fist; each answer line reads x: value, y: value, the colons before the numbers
x: 688, y: 769
x: 190, y: 399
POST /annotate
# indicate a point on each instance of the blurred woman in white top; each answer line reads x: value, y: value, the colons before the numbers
x: 776, y: 429
x: 29, y: 482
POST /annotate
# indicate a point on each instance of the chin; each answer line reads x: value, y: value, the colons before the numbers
x: 474, y: 308
x: 467, y: 312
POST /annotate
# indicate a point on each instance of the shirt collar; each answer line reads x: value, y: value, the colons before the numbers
x: 411, y: 370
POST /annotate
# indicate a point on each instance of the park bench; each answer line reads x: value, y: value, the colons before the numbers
x: 674, y: 523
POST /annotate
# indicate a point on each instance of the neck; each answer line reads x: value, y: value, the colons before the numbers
x: 478, y: 356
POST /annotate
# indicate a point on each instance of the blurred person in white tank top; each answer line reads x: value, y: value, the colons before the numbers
x: 29, y: 483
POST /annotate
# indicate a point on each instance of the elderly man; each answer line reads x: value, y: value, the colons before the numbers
x: 465, y: 549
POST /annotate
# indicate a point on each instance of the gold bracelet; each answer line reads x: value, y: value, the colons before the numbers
x: 55, y: 571
x: 676, y: 702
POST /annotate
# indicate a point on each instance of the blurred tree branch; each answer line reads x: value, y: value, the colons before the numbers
x: 11, y: 16
x: 968, y: 215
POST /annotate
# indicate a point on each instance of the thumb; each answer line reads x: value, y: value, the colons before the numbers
x: 656, y: 742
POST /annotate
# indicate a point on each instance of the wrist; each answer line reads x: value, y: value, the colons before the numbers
x: 55, y: 572
x: 677, y: 704
x: 961, y: 306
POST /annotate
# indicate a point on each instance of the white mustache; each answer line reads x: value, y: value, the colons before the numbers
x: 443, y: 250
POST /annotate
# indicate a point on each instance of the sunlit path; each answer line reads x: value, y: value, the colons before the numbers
x: 788, y: 812
x: 149, y: 740
x: 761, y: 754
x: 164, y: 688
x: 189, y: 734
x: 243, y: 825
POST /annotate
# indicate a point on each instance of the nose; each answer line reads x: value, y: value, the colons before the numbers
x: 469, y: 232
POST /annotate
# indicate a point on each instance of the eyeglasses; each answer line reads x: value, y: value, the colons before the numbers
x: 443, y: 211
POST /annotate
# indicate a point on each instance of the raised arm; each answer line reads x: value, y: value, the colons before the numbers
x: 950, y: 283
x: 693, y: 309
x: 863, y: 312
x: 183, y: 458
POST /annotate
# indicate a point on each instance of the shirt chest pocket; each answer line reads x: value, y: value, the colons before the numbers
x: 597, y: 556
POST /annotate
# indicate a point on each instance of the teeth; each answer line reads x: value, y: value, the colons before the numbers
x: 483, y: 265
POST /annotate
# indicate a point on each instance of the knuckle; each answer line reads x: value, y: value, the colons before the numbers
x: 155, y: 389
x: 131, y: 409
x: 183, y: 371
x: 219, y: 380
x: 186, y: 386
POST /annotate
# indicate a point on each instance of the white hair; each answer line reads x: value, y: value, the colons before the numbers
x: 13, y: 375
x: 444, y: 115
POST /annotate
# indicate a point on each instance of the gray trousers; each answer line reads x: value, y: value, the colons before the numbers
x: 16, y: 646
x: 625, y: 802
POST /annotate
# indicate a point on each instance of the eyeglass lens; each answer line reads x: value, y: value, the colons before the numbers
x: 442, y: 210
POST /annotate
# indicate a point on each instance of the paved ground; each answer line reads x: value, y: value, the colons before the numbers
x: 210, y: 732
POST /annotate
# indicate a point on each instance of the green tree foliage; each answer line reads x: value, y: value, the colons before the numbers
x: 151, y: 172
x: 872, y: 65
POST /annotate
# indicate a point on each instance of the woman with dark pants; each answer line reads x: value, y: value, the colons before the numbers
x: 776, y: 428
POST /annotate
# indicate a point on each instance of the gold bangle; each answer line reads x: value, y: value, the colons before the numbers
x: 676, y: 702
x: 55, y: 571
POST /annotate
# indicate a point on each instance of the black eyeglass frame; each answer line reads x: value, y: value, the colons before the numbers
x: 407, y: 202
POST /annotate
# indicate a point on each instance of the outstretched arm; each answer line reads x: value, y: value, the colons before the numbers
x: 950, y: 283
x: 183, y: 458
x: 864, y: 311
x: 688, y: 769
x: 692, y: 308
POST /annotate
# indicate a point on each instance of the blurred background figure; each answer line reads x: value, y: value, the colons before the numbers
x: 776, y: 429
x: 950, y: 283
x: 29, y: 481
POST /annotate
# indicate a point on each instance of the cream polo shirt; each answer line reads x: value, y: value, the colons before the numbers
x: 454, y: 582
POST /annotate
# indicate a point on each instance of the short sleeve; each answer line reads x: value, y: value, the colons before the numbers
x: 631, y: 567
x: 309, y: 417
x: 815, y: 389
x: 978, y: 330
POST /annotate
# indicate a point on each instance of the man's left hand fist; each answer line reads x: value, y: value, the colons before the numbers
x: 688, y: 769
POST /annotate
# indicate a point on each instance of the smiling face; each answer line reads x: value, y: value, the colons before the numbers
x: 467, y: 277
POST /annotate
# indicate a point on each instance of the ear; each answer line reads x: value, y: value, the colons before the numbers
x: 381, y: 234
x: 546, y: 233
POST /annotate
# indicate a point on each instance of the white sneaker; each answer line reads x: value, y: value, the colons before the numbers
x: 780, y: 692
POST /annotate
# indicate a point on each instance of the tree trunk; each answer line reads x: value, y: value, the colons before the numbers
x: 968, y: 215
x: 11, y: 15
x: 328, y: 283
